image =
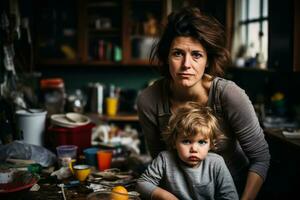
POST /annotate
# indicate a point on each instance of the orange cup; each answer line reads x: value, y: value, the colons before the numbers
x: 104, y: 159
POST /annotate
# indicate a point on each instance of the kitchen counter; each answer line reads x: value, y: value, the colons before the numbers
x: 276, y: 134
x: 284, y: 175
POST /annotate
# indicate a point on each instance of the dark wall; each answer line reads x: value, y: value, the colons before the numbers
x: 261, y: 85
x: 131, y: 77
x: 281, y: 35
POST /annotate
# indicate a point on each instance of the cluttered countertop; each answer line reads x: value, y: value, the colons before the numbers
x: 87, y: 160
x: 282, y: 129
x: 41, y: 185
x: 289, y: 137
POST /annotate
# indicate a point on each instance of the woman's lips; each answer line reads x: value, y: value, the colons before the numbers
x: 184, y: 75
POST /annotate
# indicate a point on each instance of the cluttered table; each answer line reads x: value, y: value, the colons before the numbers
x: 81, y: 171
x: 78, y: 160
x: 97, y: 183
x: 31, y: 181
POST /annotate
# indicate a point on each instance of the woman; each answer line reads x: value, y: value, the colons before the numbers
x: 191, y: 56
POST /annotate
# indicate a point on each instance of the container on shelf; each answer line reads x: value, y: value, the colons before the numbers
x: 79, y: 136
x: 53, y: 95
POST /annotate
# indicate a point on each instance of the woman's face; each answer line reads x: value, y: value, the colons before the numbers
x: 187, y: 60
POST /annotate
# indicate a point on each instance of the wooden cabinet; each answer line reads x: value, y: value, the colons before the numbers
x: 97, y: 32
x: 143, y: 27
x: 101, y: 31
x: 55, y: 35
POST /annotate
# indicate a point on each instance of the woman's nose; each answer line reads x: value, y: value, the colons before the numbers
x: 187, y: 61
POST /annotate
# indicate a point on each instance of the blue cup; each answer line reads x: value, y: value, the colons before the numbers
x: 91, y: 156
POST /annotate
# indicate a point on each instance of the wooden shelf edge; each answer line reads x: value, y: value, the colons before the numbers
x: 122, y: 117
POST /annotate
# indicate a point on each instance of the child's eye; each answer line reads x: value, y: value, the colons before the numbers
x: 186, y: 142
x: 202, y: 142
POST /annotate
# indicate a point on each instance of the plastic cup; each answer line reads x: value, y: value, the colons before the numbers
x: 66, y: 153
x: 91, y: 156
x: 104, y: 159
x: 32, y: 125
x: 112, y: 106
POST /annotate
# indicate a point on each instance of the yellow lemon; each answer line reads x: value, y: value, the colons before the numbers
x: 119, y: 193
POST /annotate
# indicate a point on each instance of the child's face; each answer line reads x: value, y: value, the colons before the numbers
x: 193, y: 149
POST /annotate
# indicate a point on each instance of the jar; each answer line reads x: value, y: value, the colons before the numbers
x: 76, y: 102
x: 53, y: 95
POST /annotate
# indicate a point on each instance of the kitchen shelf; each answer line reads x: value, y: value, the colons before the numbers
x: 98, y: 32
x: 121, y: 117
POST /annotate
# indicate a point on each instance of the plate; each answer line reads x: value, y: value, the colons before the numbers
x: 292, y: 135
x: 61, y: 120
x: 22, y: 180
x: 113, y: 195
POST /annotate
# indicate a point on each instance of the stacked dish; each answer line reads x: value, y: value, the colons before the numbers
x: 69, y: 120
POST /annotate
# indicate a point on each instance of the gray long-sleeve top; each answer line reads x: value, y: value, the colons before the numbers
x: 245, y: 148
x: 210, y: 180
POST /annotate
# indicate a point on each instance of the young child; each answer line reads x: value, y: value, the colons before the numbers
x: 188, y: 170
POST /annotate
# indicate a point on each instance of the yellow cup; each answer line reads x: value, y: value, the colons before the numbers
x: 112, y: 106
x: 81, y: 172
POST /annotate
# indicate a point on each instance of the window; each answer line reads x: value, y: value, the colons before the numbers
x: 250, y: 45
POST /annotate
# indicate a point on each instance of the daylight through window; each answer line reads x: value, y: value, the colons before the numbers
x: 250, y: 45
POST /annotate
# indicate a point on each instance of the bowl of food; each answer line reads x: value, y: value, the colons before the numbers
x: 117, y: 193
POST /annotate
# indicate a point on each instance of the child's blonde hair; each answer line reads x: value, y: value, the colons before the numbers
x: 191, y: 119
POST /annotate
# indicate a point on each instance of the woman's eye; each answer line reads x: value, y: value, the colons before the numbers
x: 197, y: 55
x: 177, y: 53
x: 202, y: 142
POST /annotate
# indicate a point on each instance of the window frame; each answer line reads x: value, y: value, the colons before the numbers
x: 247, y: 22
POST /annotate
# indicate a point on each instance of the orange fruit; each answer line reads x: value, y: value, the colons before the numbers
x: 119, y: 193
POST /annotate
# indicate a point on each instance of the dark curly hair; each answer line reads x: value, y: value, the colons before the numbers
x: 190, y: 22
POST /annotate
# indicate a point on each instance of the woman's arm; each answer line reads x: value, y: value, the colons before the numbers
x: 244, y: 122
x: 161, y: 194
x: 149, y: 126
x: 253, y: 185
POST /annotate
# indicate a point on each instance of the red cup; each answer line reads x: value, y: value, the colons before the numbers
x: 104, y: 159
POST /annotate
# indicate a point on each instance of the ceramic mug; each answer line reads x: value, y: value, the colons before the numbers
x: 81, y: 172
